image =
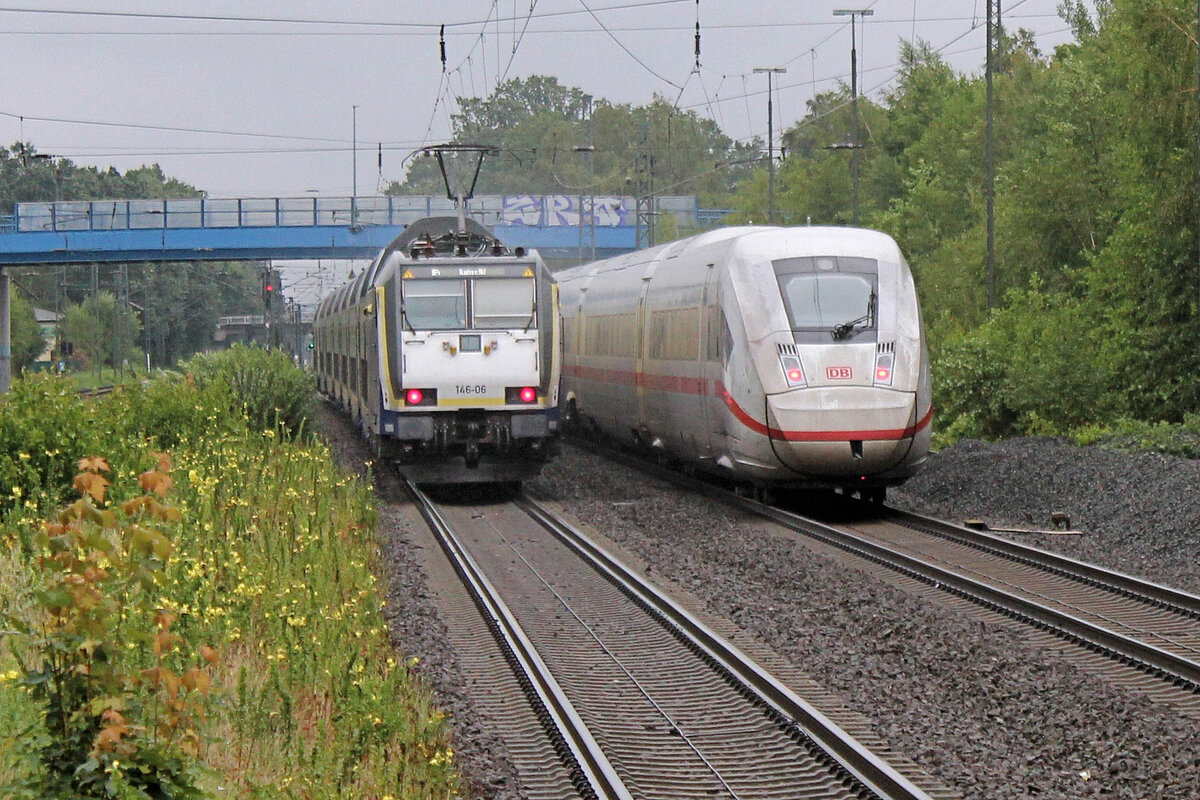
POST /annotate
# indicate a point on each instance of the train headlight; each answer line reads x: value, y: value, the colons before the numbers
x: 793, y: 372
x: 520, y: 395
x: 883, y: 368
x: 420, y: 397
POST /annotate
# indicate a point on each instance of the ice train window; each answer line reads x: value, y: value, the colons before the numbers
x: 822, y: 301
x: 503, y: 303
x: 824, y: 292
x: 435, y: 304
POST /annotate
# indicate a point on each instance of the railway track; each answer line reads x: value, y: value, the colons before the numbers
x: 639, y: 697
x: 1138, y: 634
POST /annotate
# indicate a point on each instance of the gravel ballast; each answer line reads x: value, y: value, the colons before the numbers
x: 975, y: 704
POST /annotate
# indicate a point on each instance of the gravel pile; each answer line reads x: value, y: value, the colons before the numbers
x: 972, y: 703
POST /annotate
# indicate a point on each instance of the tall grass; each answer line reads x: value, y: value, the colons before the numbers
x: 274, y: 562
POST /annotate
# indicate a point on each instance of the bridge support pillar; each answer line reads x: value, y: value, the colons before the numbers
x: 5, y: 331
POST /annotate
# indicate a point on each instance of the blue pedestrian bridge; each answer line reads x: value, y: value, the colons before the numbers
x: 203, y: 229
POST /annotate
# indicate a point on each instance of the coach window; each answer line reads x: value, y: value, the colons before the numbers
x: 503, y: 303
x: 435, y: 304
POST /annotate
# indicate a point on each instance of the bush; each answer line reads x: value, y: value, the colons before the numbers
x: 1182, y: 440
x: 267, y: 555
x: 1039, y: 366
x: 173, y: 411
x: 45, y: 428
x: 264, y: 385
x: 120, y: 701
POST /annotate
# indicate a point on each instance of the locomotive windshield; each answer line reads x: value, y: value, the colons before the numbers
x: 503, y: 303
x: 435, y: 304
x: 441, y: 304
x: 828, y: 294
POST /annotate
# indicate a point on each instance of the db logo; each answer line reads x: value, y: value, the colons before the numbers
x: 839, y: 373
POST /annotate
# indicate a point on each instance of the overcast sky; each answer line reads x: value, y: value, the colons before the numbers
x: 255, y: 98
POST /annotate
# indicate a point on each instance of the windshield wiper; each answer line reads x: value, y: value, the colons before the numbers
x: 844, y: 329
x: 532, y: 316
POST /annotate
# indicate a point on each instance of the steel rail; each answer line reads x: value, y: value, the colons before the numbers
x: 1183, y: 672
x: 1119, y: 583
x: 845, y: 752
x: 589, y: 759
x: 1180, y: 671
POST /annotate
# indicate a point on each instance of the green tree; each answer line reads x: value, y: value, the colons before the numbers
x: 182, y: 301
x: 27, y: 176
x: 558, y: 140
x: 515, y: 102
x: 26, y: 334
x: 102, y: 329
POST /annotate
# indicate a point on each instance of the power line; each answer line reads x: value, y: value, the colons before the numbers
x: 517, y: 42
x: 421, y: 26
x: 884, y: 68
x: 167, y: 128
x: 541, y: 31
x: 628, y: 52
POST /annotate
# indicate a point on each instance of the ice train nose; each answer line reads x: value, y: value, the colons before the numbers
x: 842, y: 430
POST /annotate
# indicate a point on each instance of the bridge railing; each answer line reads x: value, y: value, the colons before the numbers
x: 245, y: 319
x: 541, y: 210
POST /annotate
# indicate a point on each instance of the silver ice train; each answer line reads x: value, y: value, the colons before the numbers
x: 786, y: 357
x: 447, y: 353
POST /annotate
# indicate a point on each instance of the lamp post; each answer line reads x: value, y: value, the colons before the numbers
x: 854, y: 14
x: 770, y: 142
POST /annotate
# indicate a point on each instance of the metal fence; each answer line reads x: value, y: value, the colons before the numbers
x: 491, y: 210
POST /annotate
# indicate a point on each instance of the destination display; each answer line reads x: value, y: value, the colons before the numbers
x: 473, y: 270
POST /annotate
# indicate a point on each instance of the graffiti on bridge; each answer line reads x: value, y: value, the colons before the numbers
x: 561, y: 209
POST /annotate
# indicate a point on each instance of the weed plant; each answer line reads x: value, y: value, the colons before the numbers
x: 261, y: 384
x: 270, y: 563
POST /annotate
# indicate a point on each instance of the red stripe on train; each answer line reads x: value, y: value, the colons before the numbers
x: 886, y: 434
x: 698, y: 386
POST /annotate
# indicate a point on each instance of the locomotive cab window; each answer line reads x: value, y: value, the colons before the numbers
x: 828, y: 296
x: 503, y: 303
x: 435, y: 304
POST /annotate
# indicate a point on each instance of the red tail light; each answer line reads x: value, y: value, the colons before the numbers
x: 414, y: 397
x: 793, y: 370
x: 525, y: 395
x: 883, y: 368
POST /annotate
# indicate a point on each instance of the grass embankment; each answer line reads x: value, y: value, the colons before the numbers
x: 267, y: 561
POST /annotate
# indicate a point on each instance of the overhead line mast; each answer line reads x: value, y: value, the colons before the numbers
x: 993, y: 26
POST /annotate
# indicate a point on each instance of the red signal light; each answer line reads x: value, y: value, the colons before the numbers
x: 414, y: 397
x: 528, y: 394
